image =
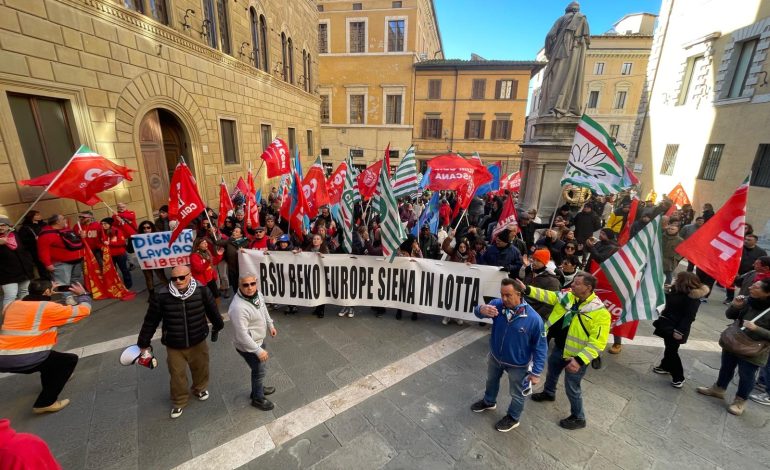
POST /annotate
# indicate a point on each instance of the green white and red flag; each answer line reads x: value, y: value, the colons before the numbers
x: 392, y: 230
x: 347, y: 203
x: 405, y: 181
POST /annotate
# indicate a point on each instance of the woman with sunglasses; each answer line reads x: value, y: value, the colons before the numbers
x: 202, y: 263
x: 149, y: 227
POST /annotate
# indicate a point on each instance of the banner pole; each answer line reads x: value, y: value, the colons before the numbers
x: 465, y: 212
x: 556, y: 209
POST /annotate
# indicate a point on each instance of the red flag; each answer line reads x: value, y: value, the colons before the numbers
x: 86, y: 174
x: 716, y: 248
x: 387, y: 159
x: 449, y: 172
x: 184, y: 203
x: 625, y: 234
x: 104, y: 283
x: 225, y: 203
x: 277, y: 157
x: 367, y: 180
x: 507, y: 217
x: 336, y: 183
x: 481, y: 176
x: 241, y: 187
x: 252, y: 208
x: 678, y: 196
x: 611, y: 300
x: 514, y: 182
x: 314, y: 189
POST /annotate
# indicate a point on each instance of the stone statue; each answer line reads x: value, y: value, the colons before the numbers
x: 565, y: 48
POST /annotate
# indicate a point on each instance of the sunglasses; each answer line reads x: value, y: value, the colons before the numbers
x: 248, y: 284
x: 179, y: 278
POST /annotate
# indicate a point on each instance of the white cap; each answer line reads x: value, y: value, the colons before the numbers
x: 130, y: 355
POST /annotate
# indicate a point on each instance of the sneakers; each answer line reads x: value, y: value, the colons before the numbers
x: 268, y: 390
x: 351, y: 313
x: 760, y: 387
x: 727, y: 302
x: 176, y: 412
x: 677, y: 383
x: 342, y: 312
x: 52, y: 408
x: 506, y: 424
x: 460, y: 322
x: 264, y: 405
x: 739, y: 404
x: 761, y: 398
x: 660, y: 370
x: 542, y: 396
x: 482, y: 405
x: 445, y: 321
x: 572, y: 423
x: 203, y: 396
x: 712, y: 391
x: 616, y: 348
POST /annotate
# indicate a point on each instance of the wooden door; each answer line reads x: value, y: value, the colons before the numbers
x: 154, y: 156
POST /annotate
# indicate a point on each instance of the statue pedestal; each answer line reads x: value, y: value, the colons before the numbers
x: 543, y: 163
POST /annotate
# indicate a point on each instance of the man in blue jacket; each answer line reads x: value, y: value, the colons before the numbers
x: 518, y: 341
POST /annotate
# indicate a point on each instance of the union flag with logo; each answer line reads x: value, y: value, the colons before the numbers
x: 185, y: 203
x: 277, y: 157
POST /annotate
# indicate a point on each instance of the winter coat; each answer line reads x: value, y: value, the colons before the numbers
x: 544, y: 279
x: 679, y: 313
x: 751, y: 309
x: 429, y: 246
x: 232, y: 247
x: 454, y: 255
x: 687, y: 231
x: 203, y: 269
x: 17, y: 263
x: 251, y: 323
x: 748, y: 257
x: 508, y: 258
x: 184, y: 321
x: 585, y: 225
x: 162, y: 225
x: 555, y: 247
x: 116, y: 242
x: 602, y: 250
x: 51, y: 249
x: 670, y: 257
x: 519, y: 341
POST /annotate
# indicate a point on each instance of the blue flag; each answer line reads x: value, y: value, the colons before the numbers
x: 258, y: 196
x: 429, y: 216
x: 493, y: 185
x: 425, y: 179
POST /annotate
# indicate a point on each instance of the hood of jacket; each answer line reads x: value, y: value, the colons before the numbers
x: 699, y: 292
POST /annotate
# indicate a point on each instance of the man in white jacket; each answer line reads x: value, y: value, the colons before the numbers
x: 251, y: 323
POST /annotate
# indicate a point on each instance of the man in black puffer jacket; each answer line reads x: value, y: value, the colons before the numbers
x: 183, y: 307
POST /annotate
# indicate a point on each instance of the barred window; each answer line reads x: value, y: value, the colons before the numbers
x: 356, y: 109
x: 324, y: 109
x: 669, y: 159
x: 393, y: 109
x: 710, y: 163
x: 267, y: 135
x: 760, y: 171
x: 358, y: 37
x: 323, y: 38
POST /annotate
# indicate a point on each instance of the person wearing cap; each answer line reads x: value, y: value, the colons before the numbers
x: 185, y: 308
x: 162, y: 223
x: 542, y: 273
x: 28, y: 335
x: 260, y: 240
x: 114, y: 241
x: 517, y: 346
x: 17, y: 263
x: 502, y: 254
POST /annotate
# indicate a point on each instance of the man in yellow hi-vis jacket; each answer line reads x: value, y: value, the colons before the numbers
x: 579, y: 324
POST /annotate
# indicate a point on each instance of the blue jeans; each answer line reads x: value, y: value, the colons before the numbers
x: 14, y: 290
x: 747, y: 373
x: 764, y: 374
x: 516, y: 377
x: 66, y: 274
x: 556, y: 364
x: 258, y: 371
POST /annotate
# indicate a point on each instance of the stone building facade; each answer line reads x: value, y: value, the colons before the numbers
x: 145, y: 81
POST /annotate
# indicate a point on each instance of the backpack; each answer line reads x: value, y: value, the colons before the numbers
x: 70, y: 239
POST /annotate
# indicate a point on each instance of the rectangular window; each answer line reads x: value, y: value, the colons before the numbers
x: 324, y: 109
x: 323, y: 38
x: 669, y: 159
x: 135, y: 5
x: 393, y: 154
x: 320, y: 8
x: 396, y: 36
x: 357, y: 153
x: 614, y: 130
x: 599, y: 68
x: 760, y: 171
x: 310, y: 149
x: 434, y: 89
x: 45, y: 133
x: 357, y: 37
x: 325, y: 152
x: 396, y: 4
x: 474, y: 129
x: 479, y: 87
x: 710, y: 164
x: 358, y: 6
x: 158, y: 10
x: 209, y: 28
x: 267, y: 136
x: 229, y: 141
x: 393, y: 109
x: 506, y: 89
x: 620, y: 100
x: 741, y: 74
x: 688, y: 90
x: 292, y: 139
x: 356, y: 109
x: 593, y: 99
x: 224, y: 28
x: 431, y: 128
x: 626, y: 68
x: 501, y: 129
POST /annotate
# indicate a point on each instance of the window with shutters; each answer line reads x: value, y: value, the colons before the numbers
x: 310, y: 149
x: 614, y: 130
x: 357, y: 37
x: 393, y: 109
x: 669, y: 159
x: 432, y: 128
x: 323, y: 38
x: 479, y: 87
x: 599, y: 68
x: 501, y: 129
x: 593, y: 99
x: 325, y: 109
x: 626, y: 68
x: 356, y: 109
x: 396, y: 35
x: 229, y: 141
x: 760, y: 171
x: 267, y: 135
x: 474, y: 129
x: 434, y: 89
x: 506, y: 89
x: 45, y: 131
x: 620, y: 99
x: 710, y: 163
x: 292, y: 139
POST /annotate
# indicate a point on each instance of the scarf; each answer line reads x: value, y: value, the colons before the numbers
x: 183, y: 295
x: 254, y: 299
x: 239, y: 243
x: 10, y: 241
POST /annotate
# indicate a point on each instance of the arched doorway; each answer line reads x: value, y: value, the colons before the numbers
x: 163, y: 139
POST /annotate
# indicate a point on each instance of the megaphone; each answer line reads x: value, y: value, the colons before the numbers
x: 134, y: 355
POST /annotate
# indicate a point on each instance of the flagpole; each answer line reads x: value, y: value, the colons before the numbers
x: 205, y: 211
x: 556, y: 209
x: 40, y: 196
x: 465, y: 212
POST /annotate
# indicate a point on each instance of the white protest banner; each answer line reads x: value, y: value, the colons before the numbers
x: 154, y: 253
x: 411, y: 284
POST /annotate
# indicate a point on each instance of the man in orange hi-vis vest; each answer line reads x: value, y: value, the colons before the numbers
x: 28, y: 335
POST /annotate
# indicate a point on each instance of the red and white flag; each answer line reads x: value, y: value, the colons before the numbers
x: 85, y: 175
x: 367, y: 180
x: 184, y: 202
x: 512, y: 182
x: 225, y: 203
x: 450, y: 172
x: 716, y: 248
x: 507, y: 217
x: 481, y: 176
x: 277, y: 158
x: 314, y: 189
x: 335, y: 185
x: 252, y: 207
x: 678, y: 197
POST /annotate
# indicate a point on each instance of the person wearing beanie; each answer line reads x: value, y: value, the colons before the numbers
x: 501, y: 253
x: 162, y: 222
x: 542, y: 273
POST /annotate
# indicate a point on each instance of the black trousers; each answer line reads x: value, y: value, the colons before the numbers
x: 671, y: 361
x: 54, y: 373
